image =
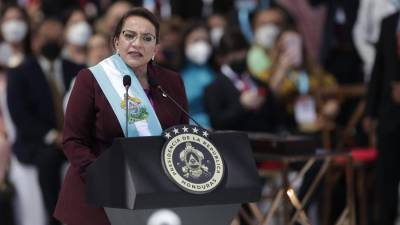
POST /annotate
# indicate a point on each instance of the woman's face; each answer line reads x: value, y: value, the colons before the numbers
x: 13, y: 27
x: 136, y: 43
x: 197, y: 46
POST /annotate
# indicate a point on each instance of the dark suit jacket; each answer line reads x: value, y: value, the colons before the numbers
x: 91, y: 126
x: 31, y: 105
x: 193, y: 9
x: 226, y: 112
x: 346, y: 64
x: 380, y: 103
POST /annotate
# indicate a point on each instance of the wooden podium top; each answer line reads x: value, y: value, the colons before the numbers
x: 284, y: 144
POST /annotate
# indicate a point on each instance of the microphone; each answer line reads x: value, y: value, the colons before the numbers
x: 126, y: 80
x: 154, y: 83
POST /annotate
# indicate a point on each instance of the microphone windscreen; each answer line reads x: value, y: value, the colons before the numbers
x: 127, y: 80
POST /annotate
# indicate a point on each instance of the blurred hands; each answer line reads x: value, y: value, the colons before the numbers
x: 331, y: 108
x: 252, y: 99
x: 291, y: 47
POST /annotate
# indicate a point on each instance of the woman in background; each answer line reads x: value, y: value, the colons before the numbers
x: 15, y: 31
x: 236, y: 100
x: 197, y: 72
x: 77, y: 34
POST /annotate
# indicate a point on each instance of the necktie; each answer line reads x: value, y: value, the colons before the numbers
x: 57, y: 98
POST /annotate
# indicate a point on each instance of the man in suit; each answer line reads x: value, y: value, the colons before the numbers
x: 34, y: 97
x: 338, y: 52
x: 383, y: 105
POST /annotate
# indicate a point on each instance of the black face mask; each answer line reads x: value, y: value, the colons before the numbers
x: 51, y: 50
x: 239, y: 66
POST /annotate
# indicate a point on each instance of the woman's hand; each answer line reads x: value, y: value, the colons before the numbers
x: 251, y: 99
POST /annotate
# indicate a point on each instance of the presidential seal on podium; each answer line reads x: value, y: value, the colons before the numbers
x: 191, y: 160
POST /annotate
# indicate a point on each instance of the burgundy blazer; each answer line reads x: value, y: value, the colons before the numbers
x: 89, y: 129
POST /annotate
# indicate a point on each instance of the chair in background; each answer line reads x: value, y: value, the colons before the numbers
x: 363, y: 157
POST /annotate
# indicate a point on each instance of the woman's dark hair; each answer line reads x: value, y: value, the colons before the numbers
x: 27, y: 39
x: 141, y: 12
x: 189, y: 28
x: 69, y: 12
x: 231, y: 41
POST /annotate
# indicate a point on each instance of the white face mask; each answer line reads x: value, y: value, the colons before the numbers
x: 14, y: 30
x: 79, y: 33
x: 215, y: 35
x: 198, y: 52
x: 266, y: 35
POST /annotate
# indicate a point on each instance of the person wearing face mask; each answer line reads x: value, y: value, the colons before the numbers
x: 14, y: 48
x: 77, y: 34
x: 236, y: 100
x: 196, y: 71
x: 16, y: 34
x: 267, y: 26
x: 295, y: 80
x: 216, y: 23
x: 34, y: 98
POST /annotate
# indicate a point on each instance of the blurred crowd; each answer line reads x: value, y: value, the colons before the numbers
x: 279, y: 66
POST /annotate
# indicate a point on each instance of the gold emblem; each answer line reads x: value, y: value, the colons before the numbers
x: 191, y: 160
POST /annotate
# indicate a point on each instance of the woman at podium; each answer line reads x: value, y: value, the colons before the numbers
x: 99, y: 111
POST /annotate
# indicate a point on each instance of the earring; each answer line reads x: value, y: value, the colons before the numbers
x: 152, y: 58
x: 117, y: 51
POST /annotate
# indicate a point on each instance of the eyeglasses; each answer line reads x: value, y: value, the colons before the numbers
x: 131, y: 36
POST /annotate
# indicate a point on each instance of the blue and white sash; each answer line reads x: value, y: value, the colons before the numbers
x: 142, y: 118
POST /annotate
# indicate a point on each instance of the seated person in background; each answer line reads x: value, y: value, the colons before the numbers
x: 98, y: 48
x: 277, y: 56
x: 77, y: 33
x: 236, y: 100
x: 296, y: 80
x: 167, y: 54
x: 15, y: 41
x: 196, y: 70
x: 267, y: 26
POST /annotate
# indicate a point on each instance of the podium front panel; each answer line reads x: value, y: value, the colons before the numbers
x: 134, y: 167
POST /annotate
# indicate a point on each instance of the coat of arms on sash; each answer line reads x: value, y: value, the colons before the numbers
x: 191, y: 160
x: 136, y: 111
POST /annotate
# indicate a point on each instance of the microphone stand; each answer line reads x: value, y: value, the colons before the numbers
x: 126, y: 109
x: 165, y: 95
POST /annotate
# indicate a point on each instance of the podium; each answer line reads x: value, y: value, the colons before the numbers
x: 129, y: 181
